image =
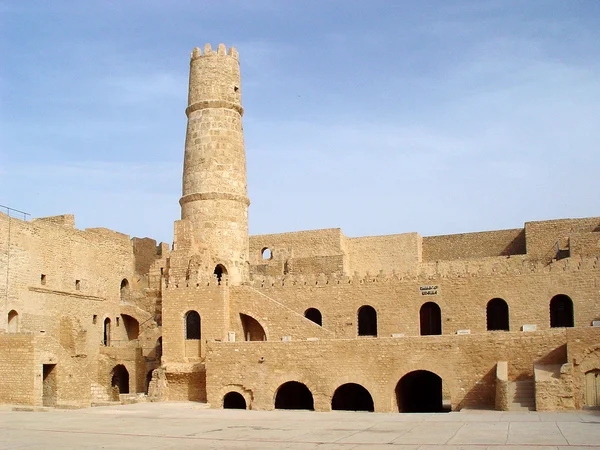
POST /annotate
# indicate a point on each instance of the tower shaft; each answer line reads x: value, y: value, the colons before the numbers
x: 215, y: 199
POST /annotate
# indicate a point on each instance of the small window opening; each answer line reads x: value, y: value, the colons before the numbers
x: 236, y: 88
x: 314, y: 315
x: 117, y: 321
x: 220, y: 270
x: 94, y: 319
x: 77, y: 285
x: 367, y: 321
x: 43, y: 279
x: 266, y: 253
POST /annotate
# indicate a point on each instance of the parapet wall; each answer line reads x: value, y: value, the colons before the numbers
x: 474, y: 245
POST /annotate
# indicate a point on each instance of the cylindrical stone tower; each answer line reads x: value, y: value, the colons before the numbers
x: 215, y: 197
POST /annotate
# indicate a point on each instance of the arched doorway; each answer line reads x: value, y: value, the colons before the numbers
x: 367, y: 321
x: 352, y: 397
x: 496, y: 314
x: 106, y: 336
x: 561, y: 311
x: 592, y: 389
x: 431, y: 319
x: 220, y: 270
x: 294, y: 395
x: 253, y: 331
x: 13, y: 321
x: 120, y: 379
x: 314, y: 315
x: 419, y: 392
x: 192, y: 325
x: 234, y: 400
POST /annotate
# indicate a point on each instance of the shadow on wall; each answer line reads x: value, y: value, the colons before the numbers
x: 556, y: 356
x: 483, y: 394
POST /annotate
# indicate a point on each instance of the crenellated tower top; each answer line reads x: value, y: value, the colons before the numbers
x: 208, y: 51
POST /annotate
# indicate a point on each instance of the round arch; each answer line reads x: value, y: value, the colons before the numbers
x: 120, y: 379
x: 352, y: 397
x: 192, y: 325
x: 561, y: 311
x: 234, y: 400
x: 314, y: 315
x: 430, y: 318
x: 420, y: 391
x: 294, y: 395
x: 367, y: 321
x: 496, y: 314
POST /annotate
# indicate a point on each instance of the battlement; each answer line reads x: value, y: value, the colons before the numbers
x: 485, y: 267
x: 208, y: 51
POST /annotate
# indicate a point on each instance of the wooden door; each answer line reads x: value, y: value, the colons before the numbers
x: 592, y: 388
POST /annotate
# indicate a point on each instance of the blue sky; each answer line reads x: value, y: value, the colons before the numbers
x: 378, y: 117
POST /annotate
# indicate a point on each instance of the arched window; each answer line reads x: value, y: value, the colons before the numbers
x: 253, y: 330
x: 367, y: 321
x: 220, y: 270
x: 192, y: 325
x: 124, y: 290
x: 314, y: 315
x: 497, y: 315
x: 13, y: 321
x: 106, y: 337
x: 431, y: 319
x: 561, y: 311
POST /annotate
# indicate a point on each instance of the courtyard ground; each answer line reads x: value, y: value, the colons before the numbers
x: 191, y: 425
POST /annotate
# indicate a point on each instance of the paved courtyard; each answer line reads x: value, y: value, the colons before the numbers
x: 189, y: 425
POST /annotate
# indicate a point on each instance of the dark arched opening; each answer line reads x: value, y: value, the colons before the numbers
x: 132, y: 327
x: 352, y: 397
x: 314, y: 315
x: 124, y: 289
x: 367, y: 321
x: 106, y: 336
x: 13, y: 321
x: 192, y: 325
x: 419, y: 392
x: 561, y: 311
x: 294, y: 395
x: 220, y: 270
x: 497, y: 315
x: 253, y: 331
x: 120, y: 379
x: 431, y: 319
x: 234, y: 400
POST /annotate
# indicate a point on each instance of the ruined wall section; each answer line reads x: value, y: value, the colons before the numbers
x: 302, y: 252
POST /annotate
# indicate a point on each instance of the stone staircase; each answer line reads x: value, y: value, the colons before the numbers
x: 521, y: 395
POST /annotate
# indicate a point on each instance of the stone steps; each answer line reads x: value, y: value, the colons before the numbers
x: 522, y: 395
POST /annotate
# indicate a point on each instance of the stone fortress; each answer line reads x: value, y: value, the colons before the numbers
x: 504, y: 320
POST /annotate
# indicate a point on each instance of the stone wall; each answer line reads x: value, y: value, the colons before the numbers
x: 466, y: 364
